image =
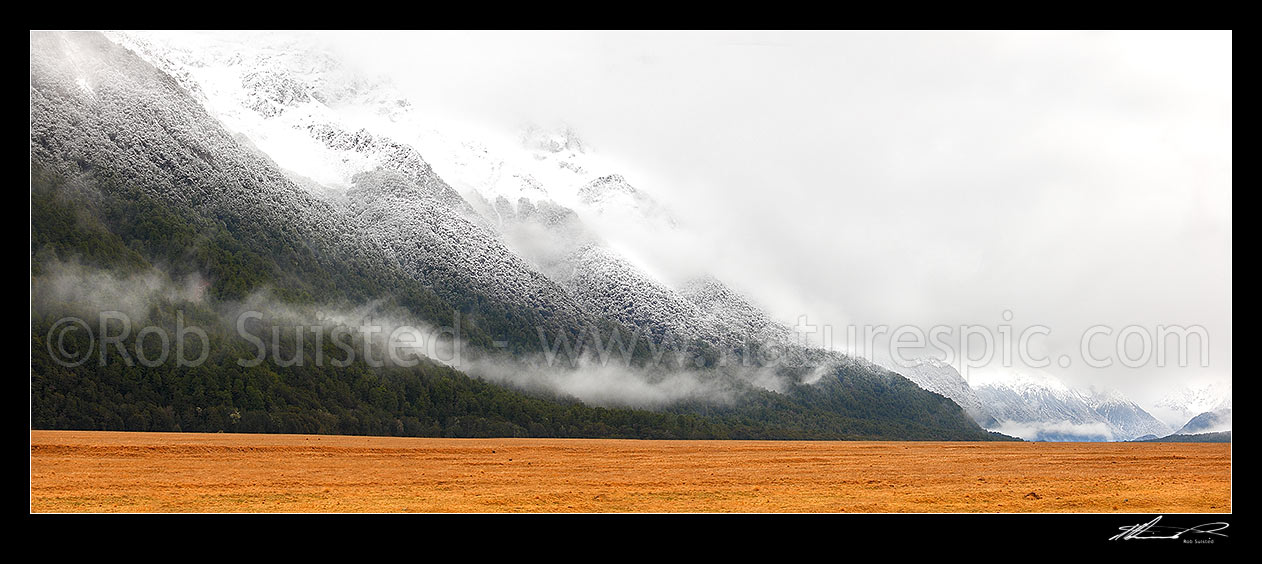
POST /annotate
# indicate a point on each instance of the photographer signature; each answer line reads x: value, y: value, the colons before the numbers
x: 1151, y: 530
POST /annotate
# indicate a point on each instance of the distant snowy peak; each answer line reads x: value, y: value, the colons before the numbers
x: 1127, y: 418
x: 1042, y: 414
x: 1026, y: 383
x: 1106, y: 397
x: 1177, y: 407
x: 1196, y: 399
x: 1036, y: 405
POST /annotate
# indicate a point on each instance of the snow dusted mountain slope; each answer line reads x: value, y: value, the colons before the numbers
x: 440, y: 247
x: 1209, y: 422
x: 97, y: 109
x: 1127, y: 419
x: 941, y: 378
x: 323, y: 120
x: 546, y: 234
x: 284, y: 95
x: 731, y: 314
x: 333, y: 131
x: 299, y: 105
x: 612, y: 287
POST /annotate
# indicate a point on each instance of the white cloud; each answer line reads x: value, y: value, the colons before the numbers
x: 1074, y: 178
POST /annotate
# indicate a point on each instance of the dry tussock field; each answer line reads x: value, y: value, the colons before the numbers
x: 73, y: 471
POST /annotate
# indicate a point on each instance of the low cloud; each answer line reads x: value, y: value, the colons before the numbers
x: 385, y: 335
x: 1055, y: 431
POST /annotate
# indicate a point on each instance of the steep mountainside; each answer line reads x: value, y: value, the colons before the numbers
x: 132, y: 176
x: 98, y: 110
x: 732, y: 315
x: 441, y: 248
x: 941, y: 378
x: 616, y: 289
x: 1208, y: 422
x: 301, y: 105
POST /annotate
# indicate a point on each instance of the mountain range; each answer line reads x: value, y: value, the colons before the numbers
x: 1035, y: 405
x: 199, y: 181
x: 269, y: 172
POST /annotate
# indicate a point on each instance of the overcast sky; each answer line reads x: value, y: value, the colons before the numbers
x: 1073, y: 179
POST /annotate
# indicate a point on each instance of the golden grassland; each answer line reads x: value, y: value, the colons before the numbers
x: 93, y: 471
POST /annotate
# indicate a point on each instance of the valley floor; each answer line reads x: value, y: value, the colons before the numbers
x: 74, y: 471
